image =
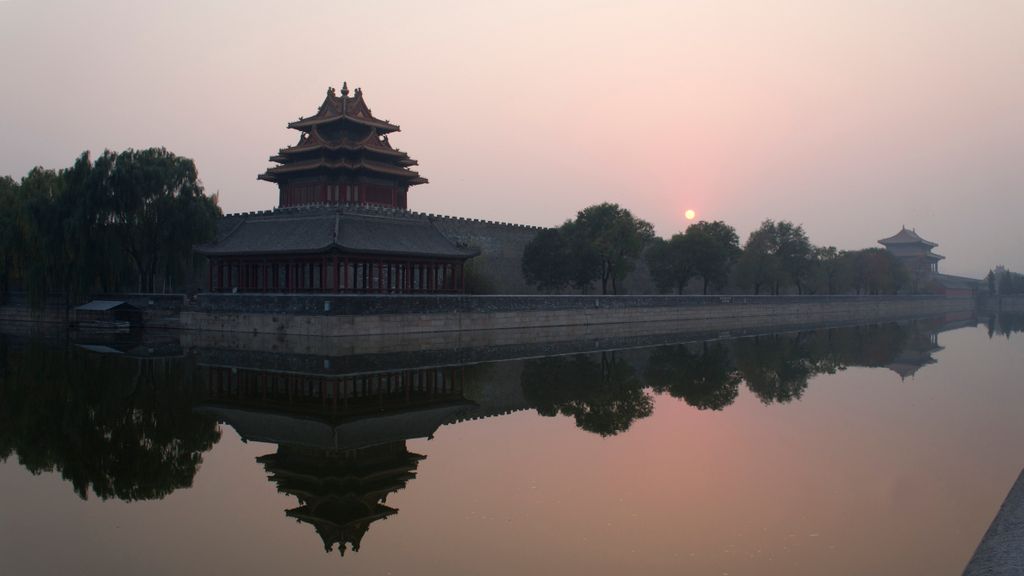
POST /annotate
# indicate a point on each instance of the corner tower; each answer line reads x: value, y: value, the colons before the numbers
x: 915, y: 252
x: 343, y: 157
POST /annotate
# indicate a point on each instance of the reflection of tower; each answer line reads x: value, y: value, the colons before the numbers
x: 922, y: 342
x: 341, y: 493
x: 341, y: 438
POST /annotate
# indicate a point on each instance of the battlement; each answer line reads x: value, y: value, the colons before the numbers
x: 377, y: 210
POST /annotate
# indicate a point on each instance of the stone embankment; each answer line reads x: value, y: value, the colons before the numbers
x: 369, y: 315
x: 376, y: 315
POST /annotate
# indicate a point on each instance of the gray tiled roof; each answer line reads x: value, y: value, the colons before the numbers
x: 317, y: 231
x: 905, y: 236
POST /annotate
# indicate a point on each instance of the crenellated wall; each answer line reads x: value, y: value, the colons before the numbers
x: 498, y: 268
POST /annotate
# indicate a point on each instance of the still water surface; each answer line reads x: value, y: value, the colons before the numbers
x: 881, y: 449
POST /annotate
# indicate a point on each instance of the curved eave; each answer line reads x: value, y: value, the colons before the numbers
x: 335, y: 147
x: 382, y: 126
x: 340, y: 249
x: 297, y: 167
x: 900, y: 242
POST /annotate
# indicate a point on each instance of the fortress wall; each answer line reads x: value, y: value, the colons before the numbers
x: 498, y: 268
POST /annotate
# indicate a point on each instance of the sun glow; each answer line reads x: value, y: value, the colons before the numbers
x: 690, y: 214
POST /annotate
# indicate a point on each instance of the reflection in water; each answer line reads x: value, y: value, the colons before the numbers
x: 602, y: 393
x: 341, y: 493
x: 704, y: 375
x: 132, y: 429
x: 120, y: 427
x: 341, y: 439
x: 1005, y: 323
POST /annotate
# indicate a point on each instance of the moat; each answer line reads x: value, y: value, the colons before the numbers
x: 871, y: 449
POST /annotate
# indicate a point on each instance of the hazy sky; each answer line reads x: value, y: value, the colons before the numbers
x: 851, y: 118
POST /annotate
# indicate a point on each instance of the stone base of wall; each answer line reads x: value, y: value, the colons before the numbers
x: 158, y: 310
x: 338, y: 316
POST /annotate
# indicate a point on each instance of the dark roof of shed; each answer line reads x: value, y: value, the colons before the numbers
x: 319, y: 231
x: 105, y: 306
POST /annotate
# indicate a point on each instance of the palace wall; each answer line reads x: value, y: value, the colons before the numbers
x: 498, y: 268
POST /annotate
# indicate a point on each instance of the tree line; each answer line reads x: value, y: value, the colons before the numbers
x: 605, y: 242
x: 120, y: 222
x: 1003, y: 281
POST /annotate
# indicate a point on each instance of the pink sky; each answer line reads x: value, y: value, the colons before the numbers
x: 852, y: 118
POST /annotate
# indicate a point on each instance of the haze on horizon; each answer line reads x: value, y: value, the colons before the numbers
x: 849, y: 118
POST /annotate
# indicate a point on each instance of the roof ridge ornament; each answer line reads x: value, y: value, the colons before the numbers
x: 344, y: 89
x: 330, y: 91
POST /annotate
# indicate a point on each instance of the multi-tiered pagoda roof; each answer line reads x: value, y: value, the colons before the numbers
x: 342, y: 225
x: 343, y: 156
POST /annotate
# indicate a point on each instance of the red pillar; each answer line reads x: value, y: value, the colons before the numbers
x: 346, y: 272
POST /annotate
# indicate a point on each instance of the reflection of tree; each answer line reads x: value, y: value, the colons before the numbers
x: 602, y: 393
x: 1005, y: 323
x: 121, y: 427
x: 777, y: 367
x: 704, y: 379
x: 773, y: 367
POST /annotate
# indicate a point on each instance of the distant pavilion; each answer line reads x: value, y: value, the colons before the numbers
x: 923, y: 265
x: 915, y: 252
x: 341, y: 225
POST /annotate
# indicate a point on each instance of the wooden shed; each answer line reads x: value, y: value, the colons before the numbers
x: 108, y: 315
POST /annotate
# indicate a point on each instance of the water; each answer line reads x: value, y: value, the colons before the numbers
x: 883, y: 449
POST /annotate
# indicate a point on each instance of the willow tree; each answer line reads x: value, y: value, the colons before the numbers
x: 157, y: 209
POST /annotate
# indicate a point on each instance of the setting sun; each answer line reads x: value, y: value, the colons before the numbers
x: 690, y: 214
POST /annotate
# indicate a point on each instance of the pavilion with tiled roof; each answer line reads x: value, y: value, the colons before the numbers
x: 342, y: 225
x: 343, y: 156
x: 915, y: 252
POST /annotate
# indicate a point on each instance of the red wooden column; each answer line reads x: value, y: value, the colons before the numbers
x: 346, y: 272
x: 209, y: 274
x: 337, y: 275
x: 323, y: 273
